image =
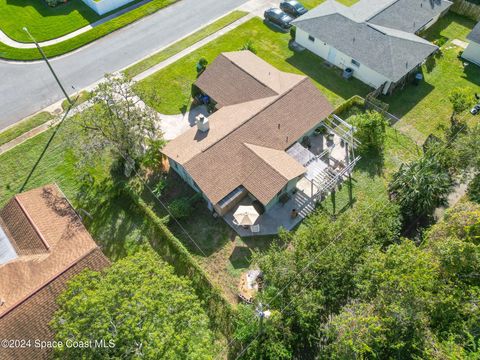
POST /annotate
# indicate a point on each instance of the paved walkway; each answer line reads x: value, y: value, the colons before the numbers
x: 21, y: 45
x: 192, y: 48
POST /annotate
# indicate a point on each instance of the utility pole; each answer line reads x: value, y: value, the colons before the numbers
x: 49, y: 66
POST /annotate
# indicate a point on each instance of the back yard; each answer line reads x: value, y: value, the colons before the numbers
x: 424, y: 109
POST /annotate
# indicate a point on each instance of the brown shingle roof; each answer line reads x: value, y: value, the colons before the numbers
x: 239, y: 77
x: 30, y: 319
x: 49, y: 213
x: 275, y: 122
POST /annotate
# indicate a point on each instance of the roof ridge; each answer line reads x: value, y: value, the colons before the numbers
x: 261, y: 158
x: 382, y: 10
x: 274, y: 100
x: 249, y: 74
x: 35, y: 227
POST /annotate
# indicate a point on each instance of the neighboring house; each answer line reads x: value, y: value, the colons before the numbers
x: 43, y: 243
x: 472, y: 52
x: 244, y: 149
x: 377, y: 39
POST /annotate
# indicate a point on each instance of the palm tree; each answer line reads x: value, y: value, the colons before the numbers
x: 420, y: 187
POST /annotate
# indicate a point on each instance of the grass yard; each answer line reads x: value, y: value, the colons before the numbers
x: 169, y: 90
x: 309, y: 4
x: 183, y: 44
x: 213, y: 244
x: 425, y: 109
x: 7, y: 52
x: 373, y: 172
x: 116, y: 228
x: 44, y: 22
x: 20, y: 128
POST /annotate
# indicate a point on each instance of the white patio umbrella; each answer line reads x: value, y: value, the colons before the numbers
x: 246, y: 215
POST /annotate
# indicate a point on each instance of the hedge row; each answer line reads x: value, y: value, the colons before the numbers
x: 172, y: 250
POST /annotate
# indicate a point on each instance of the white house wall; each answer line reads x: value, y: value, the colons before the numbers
x: 102, y: 7
x: 322, y: 49
x: 472, y: 53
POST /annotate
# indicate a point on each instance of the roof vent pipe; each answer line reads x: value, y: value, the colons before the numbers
x: 202, y: 123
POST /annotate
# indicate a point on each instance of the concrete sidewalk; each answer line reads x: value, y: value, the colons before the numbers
x: 192, y: 48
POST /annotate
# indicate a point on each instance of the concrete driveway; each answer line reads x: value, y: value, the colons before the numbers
x: 26, y: 88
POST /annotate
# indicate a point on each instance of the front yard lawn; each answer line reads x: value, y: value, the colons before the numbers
x: 7, y: 52
x: 201, y: 34
x: 425, y: 109
x: 312, y: 3
x: 169, y: 90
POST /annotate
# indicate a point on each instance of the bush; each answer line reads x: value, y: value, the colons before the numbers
x: 371, y: 130
x: 293, y: 32
x: 180, y: 208
x: 249, y: 46
x: 474, y: 189
x: 201, y: 65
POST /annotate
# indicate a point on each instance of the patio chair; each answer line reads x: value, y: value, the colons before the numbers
x: 255, y: 228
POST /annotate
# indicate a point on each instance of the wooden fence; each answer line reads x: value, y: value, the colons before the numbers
x: 467, y: 9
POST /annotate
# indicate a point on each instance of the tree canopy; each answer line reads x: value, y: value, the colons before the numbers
x: 140, y: 304
x: 361, y: 292
x: 118, y: 122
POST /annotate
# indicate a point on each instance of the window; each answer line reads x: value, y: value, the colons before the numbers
x: 355, y: 62
x: 311, y: 38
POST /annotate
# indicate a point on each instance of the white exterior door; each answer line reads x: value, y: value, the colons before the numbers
x: 332, y: 53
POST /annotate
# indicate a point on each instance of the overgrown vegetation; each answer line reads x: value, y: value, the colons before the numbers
x: 139, y: 307
x: 350, y: 289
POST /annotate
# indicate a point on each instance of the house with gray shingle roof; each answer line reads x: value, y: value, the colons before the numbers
x: 258, y: 148
x: 376, y: 39
x: 472, y: 51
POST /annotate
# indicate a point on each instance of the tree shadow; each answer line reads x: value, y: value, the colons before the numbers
x: 328, y: 76
x: 240, y: 257
x: 372, y: 162
x: 437, y: 32
x: 112, y: 219
x: 404, y: 100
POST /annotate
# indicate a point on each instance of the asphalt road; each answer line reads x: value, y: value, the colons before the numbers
x: 26, y: 88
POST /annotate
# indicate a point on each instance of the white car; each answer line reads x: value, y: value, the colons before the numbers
x: 475, y: 110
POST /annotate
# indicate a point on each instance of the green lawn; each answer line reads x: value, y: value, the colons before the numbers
x: 183, y: 44
x: 116, y: 228
x: 24, y: 126
x: 7, y: 52
x: 169, y: 89
x: 312, y: 3
x: 44, y: 22
x: 424, y: 109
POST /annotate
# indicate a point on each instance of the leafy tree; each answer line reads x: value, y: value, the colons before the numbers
x: 357, y: 332
x: 421, y: 186
x: 371, y: 130
x: 461, y: 99
x: 271, y: 341
x: 316, y: 275
x: 139, y: 303
x: 474, y: 189
x: 118, y: 122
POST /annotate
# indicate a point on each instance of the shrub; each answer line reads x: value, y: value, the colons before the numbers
x: 293, y: 32
x: 249, y: 46
x: 474, y: 189
x: 371, y: 130
x: 201, y: 65
x: 180, y: 208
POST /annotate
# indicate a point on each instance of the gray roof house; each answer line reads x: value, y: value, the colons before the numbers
x: 377, y: 39
x: 472, y: 51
